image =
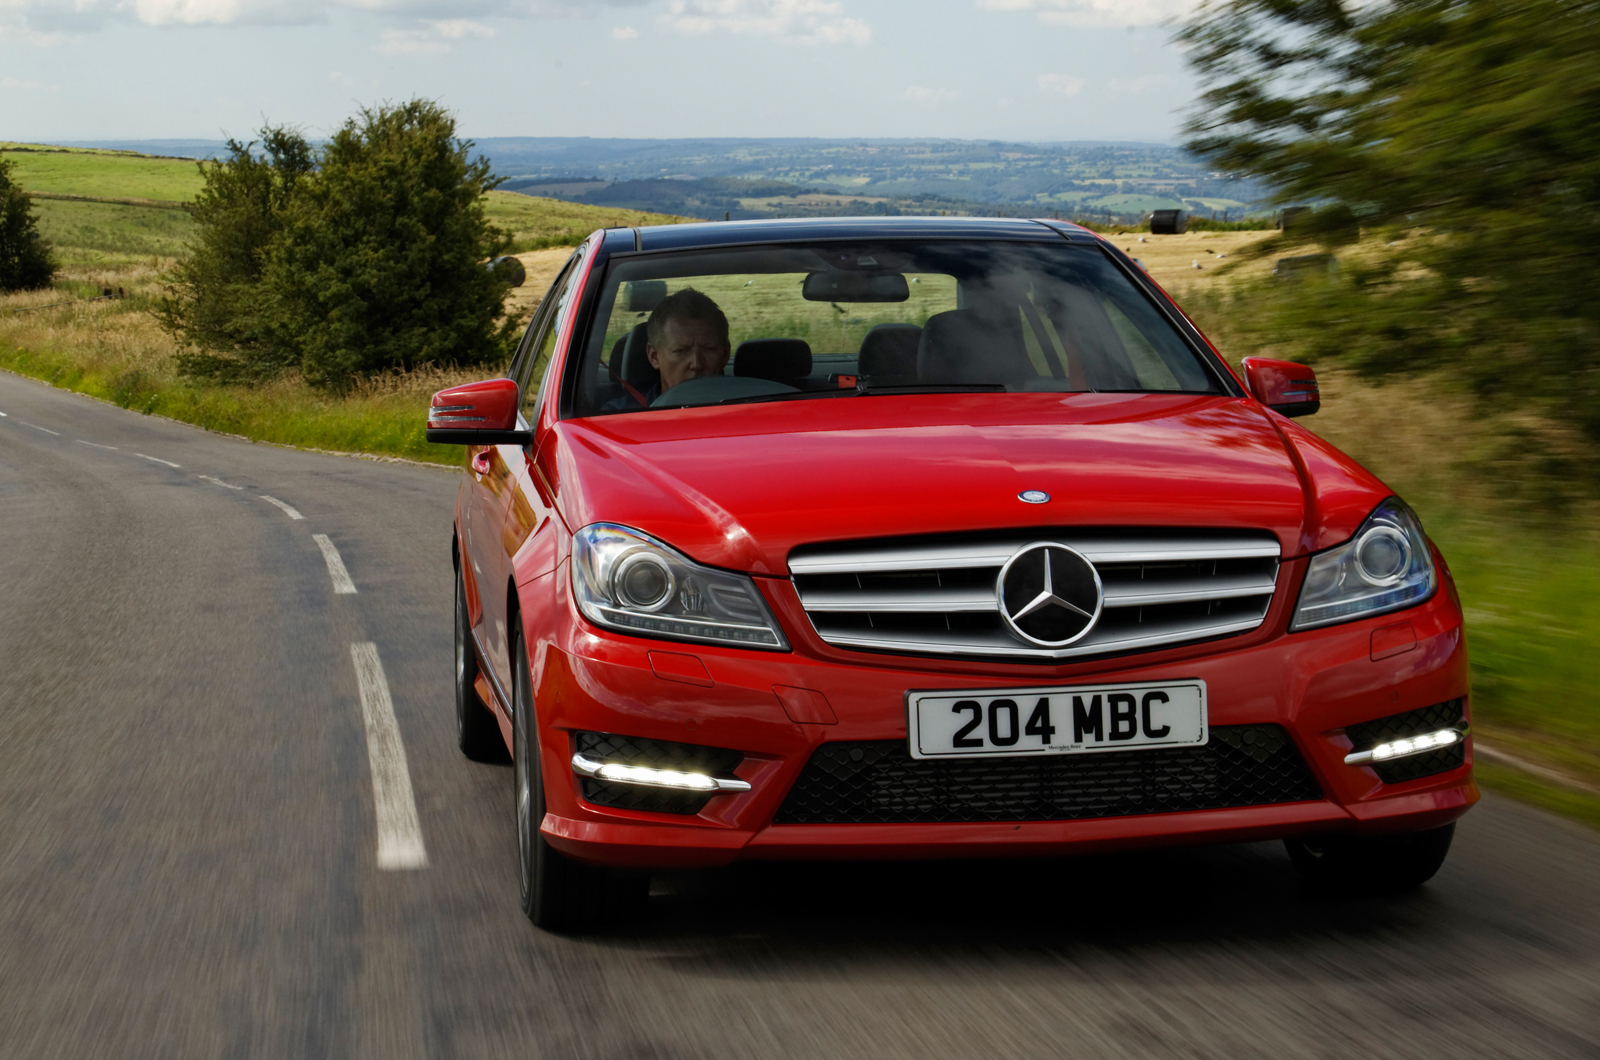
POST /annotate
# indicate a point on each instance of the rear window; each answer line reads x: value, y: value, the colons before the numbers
x: 829, y: 321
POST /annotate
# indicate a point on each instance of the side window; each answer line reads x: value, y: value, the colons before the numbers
x: 534, y: 357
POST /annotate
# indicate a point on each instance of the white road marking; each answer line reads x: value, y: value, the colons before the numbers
x: 288, y: 510
x: 1555, y: 776
x: 157, y: 459
x: 342, y: 585
x: 2, y: 415
x: 36, y: 427
x: 219, y: 482
x: 399, y: 833
x: 97, y: 445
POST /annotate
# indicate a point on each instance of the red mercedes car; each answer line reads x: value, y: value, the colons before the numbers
x: 922, y: 538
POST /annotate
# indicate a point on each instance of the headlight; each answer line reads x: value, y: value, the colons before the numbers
x: 1385, y: 567
x: 628, y: 581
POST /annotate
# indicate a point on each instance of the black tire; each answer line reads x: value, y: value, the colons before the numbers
x: 477, y: 731
x: 557, y: 893
x: 1376, y: 864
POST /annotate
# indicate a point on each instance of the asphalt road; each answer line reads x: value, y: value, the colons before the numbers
x: 188, y: 846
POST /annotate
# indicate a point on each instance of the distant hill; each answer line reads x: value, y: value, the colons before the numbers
x: 758, y: 177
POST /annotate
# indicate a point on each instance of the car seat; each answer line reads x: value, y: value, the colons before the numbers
x: 780, y: 360
x: 964, y: 346
x: 889, y: 354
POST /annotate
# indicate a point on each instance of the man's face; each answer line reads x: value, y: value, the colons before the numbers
x: 690, y: 349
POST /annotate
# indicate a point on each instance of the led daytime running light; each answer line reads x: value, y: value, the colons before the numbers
x: 1405, y: 748
x: 646, y: 776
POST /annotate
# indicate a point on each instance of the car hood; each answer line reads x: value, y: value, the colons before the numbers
x: 740, y: 486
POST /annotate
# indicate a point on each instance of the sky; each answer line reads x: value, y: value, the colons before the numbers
x: 967, y: 69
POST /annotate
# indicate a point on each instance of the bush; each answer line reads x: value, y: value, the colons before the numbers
x: 364, y: 257
x: 379, y: 266
x: 216, y: 304
x: 25, y: 260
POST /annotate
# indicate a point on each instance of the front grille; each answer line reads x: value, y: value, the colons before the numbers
x: 940, y: 596
x: 659, y: 754
x: 879, y: 782
x: 1369, y: 734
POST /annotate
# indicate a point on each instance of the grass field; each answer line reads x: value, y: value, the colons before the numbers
x: 536, y: 223
x: 120, y: 174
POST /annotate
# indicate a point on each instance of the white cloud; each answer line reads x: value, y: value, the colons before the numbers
x: 459, y: 28
x: 1100, y: 13
x: 25, y: 86
x: 431, y: 40
x: 802, y: 21
x: 624, y: 33
x: 1134, y: 85
x: 929, y: 96
x: 1060, y: 84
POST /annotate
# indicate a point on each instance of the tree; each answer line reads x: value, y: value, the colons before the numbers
x: 215, y: 303
x: 25, y: 260
x: 1469, y: 127
x: 379, y: 264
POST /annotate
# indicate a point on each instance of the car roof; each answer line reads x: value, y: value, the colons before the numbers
x: 735, y: 233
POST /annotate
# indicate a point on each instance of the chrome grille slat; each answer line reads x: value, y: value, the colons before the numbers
x: 939, y: 598
x: 1142, y: 593
x: 1096, y: 549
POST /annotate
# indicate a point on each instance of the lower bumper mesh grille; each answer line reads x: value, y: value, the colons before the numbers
x: 879, y: 782
x: 658, y: 754
x: 1369, y: 734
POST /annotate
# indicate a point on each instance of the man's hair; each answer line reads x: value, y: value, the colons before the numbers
x: 687, y: 304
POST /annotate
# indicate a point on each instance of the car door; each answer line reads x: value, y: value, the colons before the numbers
x: 499, y: 492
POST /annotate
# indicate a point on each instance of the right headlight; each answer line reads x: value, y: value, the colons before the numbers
x: 1386, y: 566
x: 630, y: 582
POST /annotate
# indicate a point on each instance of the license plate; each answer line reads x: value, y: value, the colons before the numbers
x: 989, y: 723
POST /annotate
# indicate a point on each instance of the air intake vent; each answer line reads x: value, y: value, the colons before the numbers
x: 941, y: 598
x: 878, y: 782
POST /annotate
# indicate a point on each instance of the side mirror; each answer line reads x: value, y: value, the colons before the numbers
x: 1283, y: 386
x: 477, y: 414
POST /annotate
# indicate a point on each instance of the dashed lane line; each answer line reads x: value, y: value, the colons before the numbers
x: 36, y: 427
x: 342, y: 585
x: 157, y: 459
x: 288, y: 509
x: 218, y: 482
x: 399, y: 833
x: 97, y: 445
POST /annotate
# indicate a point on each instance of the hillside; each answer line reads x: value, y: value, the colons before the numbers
x: 101, y: 207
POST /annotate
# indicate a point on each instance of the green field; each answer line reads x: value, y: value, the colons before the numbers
x: 536, y: 223
x: 112, y: 174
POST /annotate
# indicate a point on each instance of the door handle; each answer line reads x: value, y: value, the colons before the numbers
x: 480, y: 463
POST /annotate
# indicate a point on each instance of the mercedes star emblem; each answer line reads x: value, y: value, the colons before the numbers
x: 1049, y: 594
x: 1033, y: 497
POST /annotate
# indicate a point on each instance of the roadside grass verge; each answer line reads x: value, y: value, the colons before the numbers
x: 114, y: 350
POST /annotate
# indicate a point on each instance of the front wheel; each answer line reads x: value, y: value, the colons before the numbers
x: 557, y: 892
x: 1384, y: 863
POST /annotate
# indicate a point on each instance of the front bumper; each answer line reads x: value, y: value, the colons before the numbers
x: 778, y: 708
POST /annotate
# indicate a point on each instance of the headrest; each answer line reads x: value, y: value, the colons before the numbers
x: 889, y: 353
x: 777, y: 359
x: 636, y: 369
x: 961, y: 346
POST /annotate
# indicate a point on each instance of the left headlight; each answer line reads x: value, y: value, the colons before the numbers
x: 1386, y: 566
x: 630, y: 582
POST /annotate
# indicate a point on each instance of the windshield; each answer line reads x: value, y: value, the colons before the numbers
x: 828, y: 321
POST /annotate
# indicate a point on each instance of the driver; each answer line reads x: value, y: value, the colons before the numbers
x: 686, y: 338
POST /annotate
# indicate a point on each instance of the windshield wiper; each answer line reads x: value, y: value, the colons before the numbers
x: 796, y: 396
x: 932, y: 388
